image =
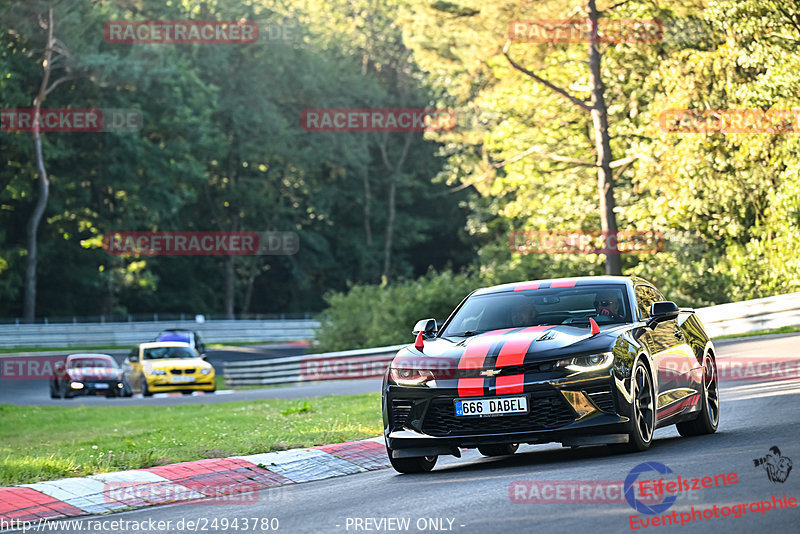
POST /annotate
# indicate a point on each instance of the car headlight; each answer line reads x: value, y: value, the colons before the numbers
x: 76, y: 385
x: 205, y: 371
x: 158, y: 372
x: 593, y: 362
x: 410, y: 377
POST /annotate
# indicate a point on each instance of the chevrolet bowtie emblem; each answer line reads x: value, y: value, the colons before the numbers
x: 490, y: 372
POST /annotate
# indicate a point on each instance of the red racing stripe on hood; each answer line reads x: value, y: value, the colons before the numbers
x: 470, y: 387
x: 509, y: 384
x: 478, y: 347
x: 514, y: 350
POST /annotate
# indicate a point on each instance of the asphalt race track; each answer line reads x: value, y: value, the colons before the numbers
x: 473, y: 494
x: 37, y: 392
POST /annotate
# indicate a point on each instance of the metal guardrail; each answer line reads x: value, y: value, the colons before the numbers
x: 724, y: 319
x: 348, y: 364
x: 100, y: 334
x: 751, y: 315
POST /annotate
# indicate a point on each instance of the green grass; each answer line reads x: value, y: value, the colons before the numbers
x: 45, y: 443
x: 781, y: 330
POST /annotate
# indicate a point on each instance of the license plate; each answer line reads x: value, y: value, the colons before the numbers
x: 100, y: 386
x: 182, y: 379
x: 487, y: 407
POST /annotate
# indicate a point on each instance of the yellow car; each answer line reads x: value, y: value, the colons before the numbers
x: 166, y: 366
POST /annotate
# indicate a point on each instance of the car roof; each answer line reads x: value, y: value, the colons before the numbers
x: 156, y: 344
x: 89, y: 355
x: 175, y: 335
x: 557, y: 282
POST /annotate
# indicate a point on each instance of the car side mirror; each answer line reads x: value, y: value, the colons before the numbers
x: 133, y: 359
x: 662, y: 311
x: 428, y: 328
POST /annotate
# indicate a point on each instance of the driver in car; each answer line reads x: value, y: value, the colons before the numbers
x: 607, y: 304
x: 524, y: 314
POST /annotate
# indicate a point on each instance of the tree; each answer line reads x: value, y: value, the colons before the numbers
x: 54, y: 52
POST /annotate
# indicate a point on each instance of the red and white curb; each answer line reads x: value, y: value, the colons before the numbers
x: 188, y: 482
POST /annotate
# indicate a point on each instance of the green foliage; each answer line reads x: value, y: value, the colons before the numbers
x: 379, y: 315
x: 221, y: 148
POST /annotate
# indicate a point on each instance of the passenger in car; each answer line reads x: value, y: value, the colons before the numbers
x: 524, y: 314
x: 608, y: 304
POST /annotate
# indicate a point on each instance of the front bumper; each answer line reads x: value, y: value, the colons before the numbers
x: 95, y: 387
x: 161, y: 385
x: 422, y: 420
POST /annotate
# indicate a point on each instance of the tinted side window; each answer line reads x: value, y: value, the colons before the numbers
x: 659, y: 296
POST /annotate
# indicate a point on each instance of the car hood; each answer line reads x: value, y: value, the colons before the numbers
x: 515, y: 346
x: 177, y: 363
x: 94, y: 373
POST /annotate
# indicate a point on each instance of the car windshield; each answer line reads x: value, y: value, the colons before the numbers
x: 83, y: 363
x: 513, y: 309
x: 169, y: 353
x: 182, y: 337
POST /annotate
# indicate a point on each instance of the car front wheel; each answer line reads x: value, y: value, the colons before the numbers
x: 644, y: 412
x: 417, y: 464
x: 506, y: 449
x: 145, y: 391
x: 708, y: 418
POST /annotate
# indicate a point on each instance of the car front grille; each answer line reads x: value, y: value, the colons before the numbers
x: 398, y: 416
x: 546, y: 411
x: 525, y: 369
x: 602, y: 397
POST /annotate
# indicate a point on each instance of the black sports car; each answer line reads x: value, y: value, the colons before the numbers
x: 88, y: 374
x: 583, y: 361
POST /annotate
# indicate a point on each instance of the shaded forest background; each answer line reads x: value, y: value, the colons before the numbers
x: 394, y: 226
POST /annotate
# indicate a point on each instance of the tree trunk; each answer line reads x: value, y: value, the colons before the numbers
x: 230, y: 279
x: 605, y: 180
x: 387, y: 244
x: 29, y: 305
x: 33, y: 229
x: 367, y: 205
x: 251, y: 279
x: 394, y: 172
